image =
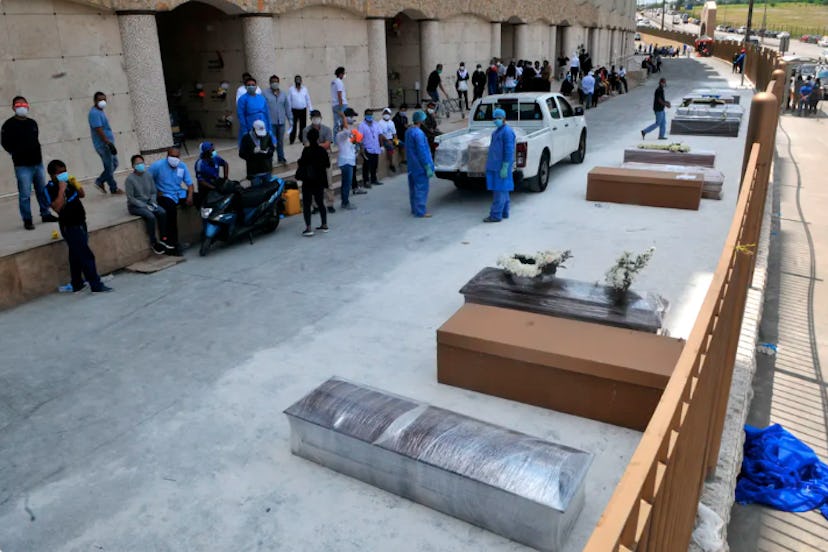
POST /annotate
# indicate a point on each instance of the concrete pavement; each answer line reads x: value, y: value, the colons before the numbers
x: 151, y: 418
x: 791, y: 388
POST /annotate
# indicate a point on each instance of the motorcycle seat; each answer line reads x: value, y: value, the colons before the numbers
x: 255, y: 196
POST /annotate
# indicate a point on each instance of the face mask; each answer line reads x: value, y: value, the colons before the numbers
x: 351, y: 120
x: 298, y: 82
x: 63, y: 177
x: 251, y: 89
x: 498, y: 123
x: 430, y: 110
x: 225, y: 85
x: 403, y: 113
x: 261, y: 132
x: 101, y: 104
x: 274, y: 86
x: 462, y: 67
x: 214, y: 154
x: 478, y: 68
x: 316, y: 121
x: 21, y: 111
x: 140, y: 167
x: 439, y: 71
x: 173, y: 161
x: 386, y: 117
x: 369, y: 118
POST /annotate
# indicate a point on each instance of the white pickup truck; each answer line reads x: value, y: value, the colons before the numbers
x: 547, y: 129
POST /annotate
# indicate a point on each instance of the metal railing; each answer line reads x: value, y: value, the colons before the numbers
x: 653, y: 508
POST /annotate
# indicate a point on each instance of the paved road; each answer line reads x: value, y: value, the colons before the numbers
x: 791, y: 388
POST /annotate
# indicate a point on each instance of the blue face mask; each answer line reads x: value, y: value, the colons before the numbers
x: 140, y: 167
x: 63, y: 177
x: 214, y: 154
x: 498, y: 123
x: 369, y: 118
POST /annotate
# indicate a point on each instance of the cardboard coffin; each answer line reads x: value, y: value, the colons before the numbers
x: 713, y: 179
x: 604, y: 373
x: 645, y: 187
x: 695, y: 158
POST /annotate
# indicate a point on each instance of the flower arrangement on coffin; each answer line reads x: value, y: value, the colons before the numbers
x: 521, y: 265
x: 620, y: 276
x: 676, y: 147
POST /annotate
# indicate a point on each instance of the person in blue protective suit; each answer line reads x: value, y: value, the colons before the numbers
x: 499, y: 167
x: 420, y: 165
x: 251, y: 107
x: 209, y: 168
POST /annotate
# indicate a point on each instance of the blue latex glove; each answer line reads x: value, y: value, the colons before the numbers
x: 429, y: 172
x: 504, y: 170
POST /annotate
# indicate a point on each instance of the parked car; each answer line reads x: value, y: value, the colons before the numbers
x: 637, y: 36
x: 547, y: 129
x: 809, y: 39
x: 741, y: 30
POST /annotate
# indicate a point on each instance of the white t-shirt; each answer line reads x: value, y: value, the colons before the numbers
x: 387, y: 128
x: 338, y: 86
x: 347, y: 150
x: 574, y: 62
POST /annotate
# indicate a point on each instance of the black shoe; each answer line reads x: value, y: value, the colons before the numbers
x: 376, y: 183
x: 49, y: 218
x: 331, y: 209
x: 366, y: 185
x: 103, y: 288
x: 166, y: 246
x: 490, y: 219
x: 392, y: 168
x: 28, y: 225
x: 359, y: 191
x: 175, y: 252
x: 643, y: 135
x: 323, y: 229
x: 158, y: 249
x: 100, y: 186
x: 663, y: 138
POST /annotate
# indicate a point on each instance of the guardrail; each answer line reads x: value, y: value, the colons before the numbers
x: 653, y: 508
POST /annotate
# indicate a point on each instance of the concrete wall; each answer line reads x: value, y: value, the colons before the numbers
x: 507, y: 43
x: 313, y: 42
x: 539, y: 47
x: 195, y: 40
x: 464, y: 38
x: 57, y: 54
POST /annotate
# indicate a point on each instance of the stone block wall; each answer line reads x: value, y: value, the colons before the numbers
x: 58, y: 54
x: 464, y: 38
x: 403, y: 47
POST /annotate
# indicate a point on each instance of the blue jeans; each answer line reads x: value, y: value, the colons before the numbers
x: 346, y: 179
x: 278, y: 136
x: 500, y: 205
x: 588, y: 99
x: 418, y: 193
x: 660, y: 124
x: 110, y: 165
x: 26, y: 178
x: 81, y: 258
x: 337, y: 115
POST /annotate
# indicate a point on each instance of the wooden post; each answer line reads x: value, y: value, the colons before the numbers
x: 780, y: 85
x: 764, y: 111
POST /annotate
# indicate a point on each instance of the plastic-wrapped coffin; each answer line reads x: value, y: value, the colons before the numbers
x: 512, y: 484
x: 640, y: 155
x: 701, y: 95
x: 722, y: 112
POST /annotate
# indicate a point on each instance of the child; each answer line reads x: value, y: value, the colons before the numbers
x: 65, y: 195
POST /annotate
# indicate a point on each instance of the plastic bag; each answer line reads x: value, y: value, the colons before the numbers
x: 708, y: 531
x: 779, y: 470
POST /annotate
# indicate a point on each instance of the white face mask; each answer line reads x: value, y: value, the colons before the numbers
x: 21, y: 111
x: 101, y: 104
x: 430, y: 110
x: 173, y: 161
x: 386, y: 117
x: 351, y: 120
x: 261, y: 132
x: 316, y: 121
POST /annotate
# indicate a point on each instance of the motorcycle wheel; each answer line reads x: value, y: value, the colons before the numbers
x: 206, y: 243
x: 271, y: 223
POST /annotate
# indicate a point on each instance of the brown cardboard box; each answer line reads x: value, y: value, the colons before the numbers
x: 641, y: 187
x: 599, y: 372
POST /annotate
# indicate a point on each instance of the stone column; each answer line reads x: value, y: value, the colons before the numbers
x: 145, y: 77
x: 522, y: 41
x: 429, y: 50
x: 377, y: 63
x: 259, y: 46
x: 552, y: 55
x: 496, y: 38
x: 572, y: 37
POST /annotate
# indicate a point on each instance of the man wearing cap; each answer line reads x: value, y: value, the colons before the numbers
x: 388, y: 137
x: 257, y: 150
x: 174, y: 185
x: 499, y: 167
x: 325, y: 139
x: 209, y: 167
x: 252, y: 107
x: 20, y: 137
x: 420, y: 165
x: 278, y: 106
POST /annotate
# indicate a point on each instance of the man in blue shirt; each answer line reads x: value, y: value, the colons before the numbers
x: 209, y: 167
x: 804, y: 96
x: 371, y: 140
x: 252, y: 107
x: 280, y: 114
x: 103, y: 141
x: 174, y: 185
x: 588, y: 86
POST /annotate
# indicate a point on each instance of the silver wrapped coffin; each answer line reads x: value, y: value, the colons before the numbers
x: 701, y: 95
x: 515, y: 485
x: 712, y: 120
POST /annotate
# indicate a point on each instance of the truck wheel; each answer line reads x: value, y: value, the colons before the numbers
x: 541, y: 179
x: 579, y: 155
x: 462, y: 183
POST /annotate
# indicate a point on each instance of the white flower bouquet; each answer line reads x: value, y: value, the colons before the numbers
x: 532, y: 266
x: 620, y: 276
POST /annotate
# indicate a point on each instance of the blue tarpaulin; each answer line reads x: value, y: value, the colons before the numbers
x: 781, y: 471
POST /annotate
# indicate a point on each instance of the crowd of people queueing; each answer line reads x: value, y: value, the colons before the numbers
x: 804, y: 94
x: 589, y: 82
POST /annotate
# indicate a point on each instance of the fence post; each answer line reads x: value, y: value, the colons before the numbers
x: 780, y: 85
x: 764, y: 111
